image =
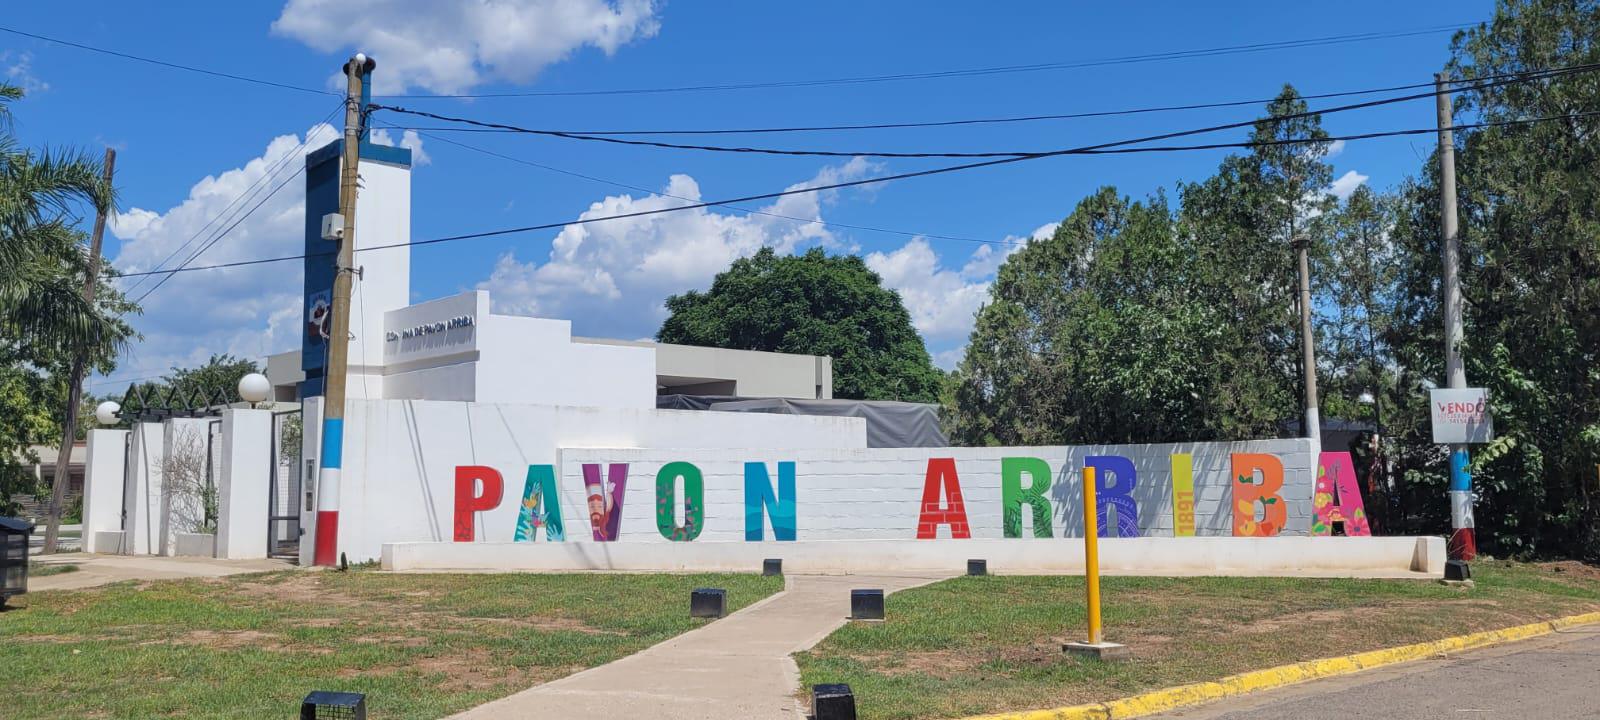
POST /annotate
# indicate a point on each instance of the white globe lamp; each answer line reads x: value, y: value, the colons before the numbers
x: 106, y: 413
x: 254, y: 388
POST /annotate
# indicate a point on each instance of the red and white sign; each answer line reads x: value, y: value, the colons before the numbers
x: 1461, y: 415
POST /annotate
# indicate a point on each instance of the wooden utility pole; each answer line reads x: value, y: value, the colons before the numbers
x: 69, y: 422
x: 1462, y: 546
x: 327, y: 528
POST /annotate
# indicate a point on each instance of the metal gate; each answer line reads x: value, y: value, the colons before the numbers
x: 283, y: 504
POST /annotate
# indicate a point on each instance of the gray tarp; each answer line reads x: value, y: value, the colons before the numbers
x: 889, y: 424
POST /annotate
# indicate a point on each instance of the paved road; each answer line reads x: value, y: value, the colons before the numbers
x: 1550, y: 677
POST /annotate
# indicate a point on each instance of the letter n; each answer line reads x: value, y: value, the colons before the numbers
x: 1247, y: 493
x: 470, y: 479
x: 758, y: 497
x: 1013, y: 495
x: 942, y: 476
x: 541, y: 507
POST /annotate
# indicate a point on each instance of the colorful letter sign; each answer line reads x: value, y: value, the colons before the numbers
x: 1247, y: 494
x: 1182, y: 495
x: 1337, y: 497
x: 541, y: 507
x: 1117, y: 493
x: 694, y: 501
x: 1013, y: 495
x: 758, y: 497
x: 605, y: 503
x: 469, y: 480
x: 942, y: 477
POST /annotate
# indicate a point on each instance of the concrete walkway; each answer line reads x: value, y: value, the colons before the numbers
x: 736, y: 667
x: 96, y: 569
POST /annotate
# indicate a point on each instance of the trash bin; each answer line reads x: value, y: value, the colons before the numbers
x: 14, y: 534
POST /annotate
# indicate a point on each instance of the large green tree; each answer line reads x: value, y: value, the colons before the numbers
x: 817, y: 304
x: 44, y: 319
x: 1134, y: 323
x: 1530, y: 229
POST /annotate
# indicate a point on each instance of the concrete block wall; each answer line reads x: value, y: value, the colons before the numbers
x: 875, y: 494
x: 400, y: 458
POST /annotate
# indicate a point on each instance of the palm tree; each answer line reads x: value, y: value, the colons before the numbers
x: 42, y: 260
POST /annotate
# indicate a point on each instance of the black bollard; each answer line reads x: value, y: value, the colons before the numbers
x: 866, y: 604
x: 708, y: 603
x: 832, y: 702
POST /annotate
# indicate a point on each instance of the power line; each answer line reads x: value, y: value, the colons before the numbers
x: 220, y: 236
x: 603, y: 181
x: 969, y: 121
x: 1103, y: 149
x: 970, y: 72
x: 165, y: 64
x: 1520, y: 77
x: 243, y: 196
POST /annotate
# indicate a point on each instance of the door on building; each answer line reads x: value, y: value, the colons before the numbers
x: 283, y: 505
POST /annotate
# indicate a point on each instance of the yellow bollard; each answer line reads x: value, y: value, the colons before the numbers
x: 1096, y: 647
x: 1091, y: 555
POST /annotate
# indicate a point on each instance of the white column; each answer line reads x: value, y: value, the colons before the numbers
x: 244, y: 484
x: 104, y: 469
x: 142, y: 492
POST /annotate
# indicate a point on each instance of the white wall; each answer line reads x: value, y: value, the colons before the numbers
x: 534, y: 360
x: 383, y: 217
x: 142, y: 492
x: 400, y: 456
x: 1315, y: 556
x: 103, y: 472
x: 872, y: 494
x: 244, y: 484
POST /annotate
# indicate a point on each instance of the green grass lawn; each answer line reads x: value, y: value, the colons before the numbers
x: 976, y: 645
x: 251, y: 646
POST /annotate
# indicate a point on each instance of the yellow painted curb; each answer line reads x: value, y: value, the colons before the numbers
x: 1257, y: 680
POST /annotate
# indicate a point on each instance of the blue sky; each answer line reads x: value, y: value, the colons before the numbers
x: 189, y: 144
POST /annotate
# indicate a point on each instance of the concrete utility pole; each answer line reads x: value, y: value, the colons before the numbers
x: 1308, y: 341
x: 1463, y: 546
x: 327, y: 541
x: 69, y: 422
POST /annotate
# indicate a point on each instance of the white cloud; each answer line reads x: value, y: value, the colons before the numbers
x: 409, y: 140
x: 612, y: 277
x: 1347, y: 184
x: 19, y: 71
x: 248, y: 311
x: 450, y: 46
x: 943, y: 301
x: 1334, y: 149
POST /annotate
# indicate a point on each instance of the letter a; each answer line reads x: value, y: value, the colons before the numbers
x: 541, y: 507
x: 1337, y: 498
x: 942, y: 475
x: 470, y: 501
